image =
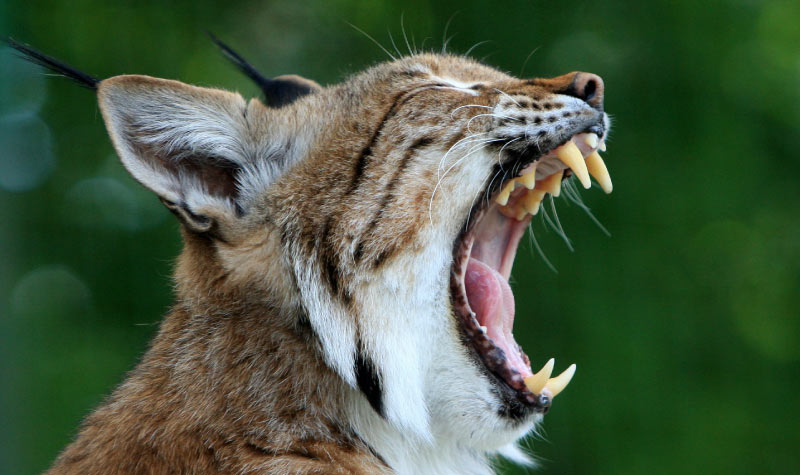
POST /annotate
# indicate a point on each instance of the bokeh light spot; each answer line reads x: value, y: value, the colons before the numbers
x: 26, y: 150
x: 50, y: 293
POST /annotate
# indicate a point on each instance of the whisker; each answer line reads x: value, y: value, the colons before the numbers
x: 455, y: 145
x: 509, y: 97
x: 575, y: 197
x: 499, y: 154
x: 439, y: 181
x: 555, y: 224
x: 475, y: 46
x: 445, y: 39
x: 391, y: 38
x: 405, y: 37
x: 539, y: 248
x: 373, y: 40
x: 478, y: 193
x: 524, y: 63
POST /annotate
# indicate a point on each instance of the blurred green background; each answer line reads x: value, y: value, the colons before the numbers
x: 684, y: 323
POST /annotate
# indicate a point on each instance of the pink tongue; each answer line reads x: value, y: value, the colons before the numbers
x: 491, y: 299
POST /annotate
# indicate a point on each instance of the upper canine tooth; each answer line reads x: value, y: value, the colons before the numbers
x: 536, y: 382
x: 502, y: 198
x: 532, y: 201
x: 599, y: 171
x: 557, y: 384
x: 572, y: 157
x: 591, y: 140
x: 551, y: 184
x: 528, y: 180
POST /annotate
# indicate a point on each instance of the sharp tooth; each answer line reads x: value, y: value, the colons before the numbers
x: 551, y: 184
x: 591, y: 140
x: 521, y: 213
x: 602, y: 145
x: 502, y: 198
x: 483, y: 328
x: 557, y: 384
x: 528, y: 180
x: 537, y: 382
x: 572, y: 157
x: 532, y: 200
x: 597, y: 168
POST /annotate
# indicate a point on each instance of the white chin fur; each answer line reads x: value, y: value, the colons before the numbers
x: 441, y: 412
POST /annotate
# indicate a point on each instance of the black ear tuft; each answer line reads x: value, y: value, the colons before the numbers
x: 37, y: 57
x: 278, y: 92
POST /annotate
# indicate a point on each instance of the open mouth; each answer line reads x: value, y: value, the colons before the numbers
x: 484, y: 255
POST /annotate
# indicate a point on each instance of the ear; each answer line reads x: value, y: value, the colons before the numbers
x: 284, y: 90
x: 200, y: 150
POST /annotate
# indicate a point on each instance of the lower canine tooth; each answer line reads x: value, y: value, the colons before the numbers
x: 598, y: 170
x: 536, y: 382
x: 551, y: 184
x: 557, y: 384
x: 573, y: 158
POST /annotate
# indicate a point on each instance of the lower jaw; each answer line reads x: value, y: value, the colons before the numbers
x: 518, y: 403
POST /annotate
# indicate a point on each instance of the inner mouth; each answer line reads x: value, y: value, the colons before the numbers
x: 483, y: 258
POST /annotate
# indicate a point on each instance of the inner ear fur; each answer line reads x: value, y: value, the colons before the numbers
x: 187, y: 144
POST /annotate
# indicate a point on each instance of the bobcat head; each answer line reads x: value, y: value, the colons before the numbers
x: 382, y: 213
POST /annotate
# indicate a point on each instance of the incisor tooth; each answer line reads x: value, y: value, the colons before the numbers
x: 602, y: 145
x: 532, y: 200
x: 591, y: 140
x: 597, y: 168
x: 528, y: 180
x: 572, y: 157
x: 536, y: 382
x: 502, y: 198
x: 551, y: 184
x: 557, y: 384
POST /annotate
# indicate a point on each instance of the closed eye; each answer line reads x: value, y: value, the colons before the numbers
x: 447, y: 83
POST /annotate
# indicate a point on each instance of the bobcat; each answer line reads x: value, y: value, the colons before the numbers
x: 342, y: 299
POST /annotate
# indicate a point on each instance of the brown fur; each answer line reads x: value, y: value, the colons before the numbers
x: 235, y: 381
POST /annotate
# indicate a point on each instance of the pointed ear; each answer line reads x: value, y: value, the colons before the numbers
x: 190, y: 145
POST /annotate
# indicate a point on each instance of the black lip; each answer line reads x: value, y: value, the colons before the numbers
x: 521, y: 154
x: 517, y: 401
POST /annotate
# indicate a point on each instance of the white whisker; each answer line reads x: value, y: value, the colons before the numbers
x: 475, y: 46
x: 509, y: 97
x: 439, y: 181
x: 373, y: 40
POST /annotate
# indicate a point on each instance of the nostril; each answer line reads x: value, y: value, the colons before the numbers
x: 589, y: 90
x: 588, y: 87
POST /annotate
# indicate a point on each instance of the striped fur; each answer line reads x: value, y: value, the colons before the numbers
x: 313, y: 330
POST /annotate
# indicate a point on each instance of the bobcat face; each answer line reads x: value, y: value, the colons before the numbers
x: 384, y: 213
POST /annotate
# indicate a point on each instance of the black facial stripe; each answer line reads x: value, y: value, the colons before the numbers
x: 388, y: 195
x: 361, y: 164
x: 328, y: 258
x: 369, y: 381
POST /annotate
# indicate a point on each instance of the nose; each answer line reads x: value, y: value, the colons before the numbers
x: 589, y: 87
